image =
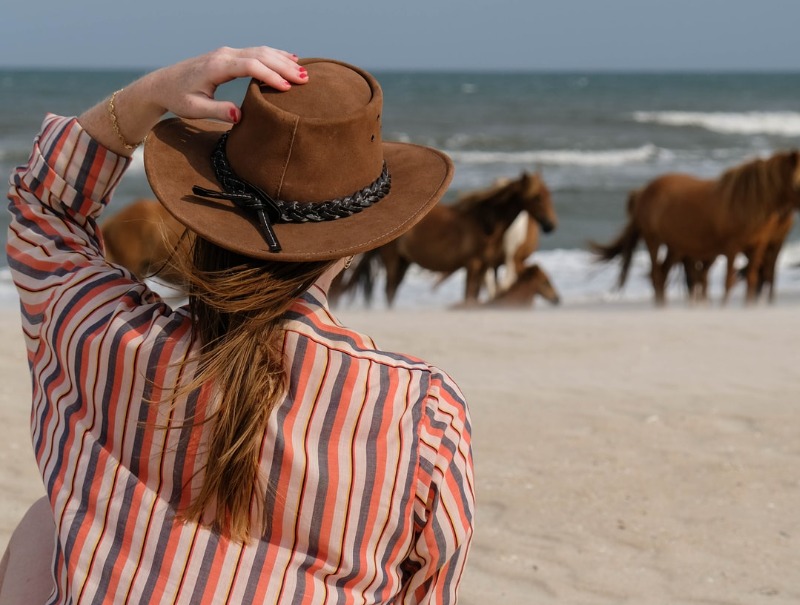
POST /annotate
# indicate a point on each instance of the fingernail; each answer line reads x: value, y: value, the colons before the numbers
x: 234, y: 115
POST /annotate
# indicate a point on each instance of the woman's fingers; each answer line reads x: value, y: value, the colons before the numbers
x: 273, y: 67
x: 195, y: 81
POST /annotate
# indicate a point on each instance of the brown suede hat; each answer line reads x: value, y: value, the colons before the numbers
x: 312, y: 155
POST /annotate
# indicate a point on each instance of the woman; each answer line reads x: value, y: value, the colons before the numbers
x: 246, y: 448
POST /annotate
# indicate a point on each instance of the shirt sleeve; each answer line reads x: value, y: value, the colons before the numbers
x: 54, y: 247
x: 445, y: 499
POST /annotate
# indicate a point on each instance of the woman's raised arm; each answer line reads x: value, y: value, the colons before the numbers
x: 187, y: 90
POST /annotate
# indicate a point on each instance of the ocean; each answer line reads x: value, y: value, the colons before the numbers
x: 593, y: 137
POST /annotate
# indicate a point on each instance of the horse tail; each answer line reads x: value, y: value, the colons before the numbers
x: 624, y: 245
x: 362, y: 276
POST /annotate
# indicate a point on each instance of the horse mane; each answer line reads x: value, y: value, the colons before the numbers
x: 501, y: 190
x: 757, y: 188
x: 471, y: 200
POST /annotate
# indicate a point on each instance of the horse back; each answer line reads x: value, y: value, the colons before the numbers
x: 682, y: 211
x: 445, y: 240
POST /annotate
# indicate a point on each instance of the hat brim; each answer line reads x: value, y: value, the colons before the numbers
x: 178, y: 156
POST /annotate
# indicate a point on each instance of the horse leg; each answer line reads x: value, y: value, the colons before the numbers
x: 755, y: 267
x: 473, y: 286
x: 394, y: 278
x: 705, y: 266
x: 656, y: 273
x: 690, y: 274
x: 767, y: 273
x: 396, y: 267
x: 490, y: 281
x: 730, y: 276
x: 666, y: 266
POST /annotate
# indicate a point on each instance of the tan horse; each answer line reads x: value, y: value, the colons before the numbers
x: 532, y: 281
x: 696, y: 220
x: 142, y: 237
x: 465, y: 234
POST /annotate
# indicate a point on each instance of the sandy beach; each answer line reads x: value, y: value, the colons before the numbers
x: 623, y: 454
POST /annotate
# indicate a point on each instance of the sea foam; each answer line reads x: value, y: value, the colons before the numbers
x: 602, y: 157
x: 779, y: 123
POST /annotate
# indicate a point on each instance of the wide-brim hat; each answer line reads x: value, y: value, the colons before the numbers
x: 312, y: 154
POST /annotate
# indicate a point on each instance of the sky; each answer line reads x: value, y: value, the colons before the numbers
x: 641, y: 35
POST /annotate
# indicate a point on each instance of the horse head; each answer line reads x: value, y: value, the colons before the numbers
x: 545, y: 288
x: 533, y: 281
x: 537, y: 200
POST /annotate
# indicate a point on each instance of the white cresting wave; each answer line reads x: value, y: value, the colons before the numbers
x: 603, y: 157
x: 778, y: 123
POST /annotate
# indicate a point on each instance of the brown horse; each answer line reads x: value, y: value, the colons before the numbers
x: 142, y: 237
x: 465, y: 234
x: 530, y: 282
x: 696, y: 220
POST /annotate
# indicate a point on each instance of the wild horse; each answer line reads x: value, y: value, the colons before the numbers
x: 697, y: 220
x: 465, y: 234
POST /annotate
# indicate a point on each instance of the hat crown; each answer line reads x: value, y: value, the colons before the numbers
x: 317, y: 141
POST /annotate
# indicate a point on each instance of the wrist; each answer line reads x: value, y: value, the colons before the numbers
x: 121, y: 121
x: 112, y: 114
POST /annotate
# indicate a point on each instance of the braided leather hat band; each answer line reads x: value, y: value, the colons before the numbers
x: 268, y: 210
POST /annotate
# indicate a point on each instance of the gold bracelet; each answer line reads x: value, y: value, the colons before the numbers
x: 115, y: 124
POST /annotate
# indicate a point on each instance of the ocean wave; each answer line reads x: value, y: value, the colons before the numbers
x: 575, y: 157
x: 779, y: 123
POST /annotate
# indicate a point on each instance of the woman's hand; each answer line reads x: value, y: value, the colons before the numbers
x: 187, y: 90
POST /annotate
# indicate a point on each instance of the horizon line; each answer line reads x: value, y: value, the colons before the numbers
x: 457, y: 70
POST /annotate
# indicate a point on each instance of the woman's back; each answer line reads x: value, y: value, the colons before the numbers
x: 354, y: 463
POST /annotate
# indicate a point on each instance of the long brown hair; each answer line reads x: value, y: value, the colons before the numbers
x: 237, y: 304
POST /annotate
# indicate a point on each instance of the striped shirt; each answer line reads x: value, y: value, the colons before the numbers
x: 367, y: 460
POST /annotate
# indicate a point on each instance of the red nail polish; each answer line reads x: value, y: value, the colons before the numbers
x: 234, y: 113
x: 286, y: 83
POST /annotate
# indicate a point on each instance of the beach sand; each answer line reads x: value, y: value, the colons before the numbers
x: 623, y: 454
